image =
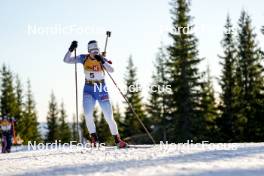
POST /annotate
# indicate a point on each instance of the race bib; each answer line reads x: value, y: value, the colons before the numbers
x: 91, y: 75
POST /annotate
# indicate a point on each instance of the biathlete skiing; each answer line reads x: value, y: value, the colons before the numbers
x: 94, y: 89
x: 7, y: 129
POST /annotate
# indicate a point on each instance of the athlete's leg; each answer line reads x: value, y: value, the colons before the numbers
x: 8, y: 142
x: 88, y: 106
x: 108, y: 115
x: 4, y: 142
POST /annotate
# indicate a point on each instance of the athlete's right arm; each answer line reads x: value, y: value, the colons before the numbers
x: 71, y: 60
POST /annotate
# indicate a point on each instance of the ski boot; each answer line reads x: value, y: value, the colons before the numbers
x: 119, y: 142
x: 94, y: 140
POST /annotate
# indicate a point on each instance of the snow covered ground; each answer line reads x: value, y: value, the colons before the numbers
x: 240, y: 159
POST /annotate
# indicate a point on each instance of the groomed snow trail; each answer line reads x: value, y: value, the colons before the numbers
x: 243, y: 160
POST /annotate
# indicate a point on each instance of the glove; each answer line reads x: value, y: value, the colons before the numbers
x: 99, y: 58
x: 103, y: 54
x: 73, y: 46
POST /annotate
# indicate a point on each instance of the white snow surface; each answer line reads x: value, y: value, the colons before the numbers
x: 242, y: 159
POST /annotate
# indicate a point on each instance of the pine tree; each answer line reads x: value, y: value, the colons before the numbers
x: 84, y: 130
x: 157, y: 103
x: 8, y: 97
x: 207, y: 123
x: 133, y: 94
x: 184, y: 76
x: 10, y: 104
x: 250, y: 80
x: 52, y: 120
x: 19, y: 106
x: 64, y: 129
x: 30, y: 130
x: 262, y: 30
x: 228, y: 85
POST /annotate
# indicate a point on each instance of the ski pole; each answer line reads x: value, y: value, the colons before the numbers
x: 108, y: 34
x: 76, y: 95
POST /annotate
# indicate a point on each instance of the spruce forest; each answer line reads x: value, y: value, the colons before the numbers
x: 191, y: 110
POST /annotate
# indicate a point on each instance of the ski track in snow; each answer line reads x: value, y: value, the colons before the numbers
x: 246, y: 160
